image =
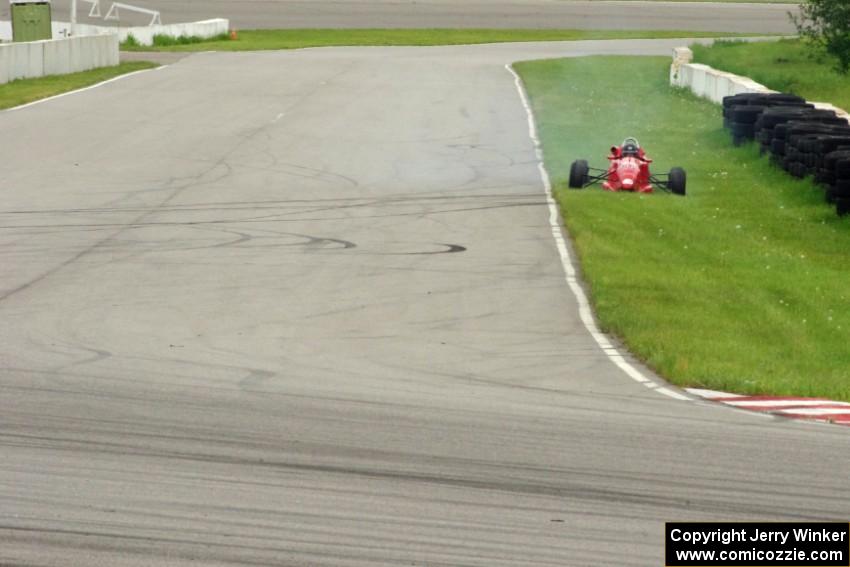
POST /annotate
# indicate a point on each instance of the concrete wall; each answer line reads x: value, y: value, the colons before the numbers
x: 143, y: 34
x: 712, y: 84
x: 206, y: 28
x: 707, y: 82
x: 33, y: 59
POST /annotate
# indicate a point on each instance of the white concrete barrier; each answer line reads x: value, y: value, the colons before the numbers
x: 27, y: 60
x: 681, y: 56
x: 143, y: 34
x: 22, y: 60
x: 707, y: 82
x: 57, y: 57
x: 205, y: 29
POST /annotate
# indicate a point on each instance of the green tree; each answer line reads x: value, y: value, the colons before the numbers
x: 827, y: 24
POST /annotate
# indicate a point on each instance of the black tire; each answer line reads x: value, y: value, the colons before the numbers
x: 777, y: 147
x: 784, y: 99
x: 774, y: 99
x: 842, y: 207
x: 810, y: 160
x: 677, y: 181
x: 841, y: 189
x: 742, y: 130
x: 832, y: 158
x: 731, y: 100
x: 780, y: 132
x: 823, y: 176
x: 774, y: 117
x: 746, y: 114
x: 836, y: 121
x: 579, y: 173
x: 842, y: 169
x: 741, y: 99
x: 828, y: 144
x: 793, y: 168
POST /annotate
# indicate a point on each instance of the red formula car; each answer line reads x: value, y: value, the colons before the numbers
x: 628, y: 171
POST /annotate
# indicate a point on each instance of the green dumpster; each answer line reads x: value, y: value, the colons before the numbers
x: 31, y: 20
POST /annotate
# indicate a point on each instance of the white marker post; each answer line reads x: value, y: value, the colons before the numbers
x: 73, y: 17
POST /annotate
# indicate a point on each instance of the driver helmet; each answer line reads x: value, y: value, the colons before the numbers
x: 631, y: 147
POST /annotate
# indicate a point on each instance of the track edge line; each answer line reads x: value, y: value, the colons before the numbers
x: 82, y: 89
x: 570, y: 271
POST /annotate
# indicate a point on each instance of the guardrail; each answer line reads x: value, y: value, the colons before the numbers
x: 95, y: 8
x: 113, y: 13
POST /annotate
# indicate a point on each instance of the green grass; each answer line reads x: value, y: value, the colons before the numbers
x: 23, y: 91
x: 256, y: 40
x: 787, y: 65
x: 162, y: 40
x: 743, y: 285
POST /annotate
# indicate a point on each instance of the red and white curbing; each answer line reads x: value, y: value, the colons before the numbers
x: 814, y: 409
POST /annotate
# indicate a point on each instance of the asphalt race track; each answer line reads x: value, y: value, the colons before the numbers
x: 582, y: 14
x: 305, y: 308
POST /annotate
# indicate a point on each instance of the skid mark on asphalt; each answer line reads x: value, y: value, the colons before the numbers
x: 119, y: 229
x: 174, y: 188
x: 448, y: 249
x: 271, y: 218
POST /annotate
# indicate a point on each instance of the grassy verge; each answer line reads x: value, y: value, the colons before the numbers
x: 23, y: 91
x: 786, y: 65
x: 256, y: 40
x: 740, y: 286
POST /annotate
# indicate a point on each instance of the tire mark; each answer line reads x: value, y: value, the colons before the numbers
x: 450, y: 249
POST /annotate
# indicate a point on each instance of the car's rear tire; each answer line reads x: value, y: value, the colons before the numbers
x: 677, y: 181
x: 579, y: 174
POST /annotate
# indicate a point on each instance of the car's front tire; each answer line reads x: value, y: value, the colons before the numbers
x: 677, y: 181
x: 579, y: 173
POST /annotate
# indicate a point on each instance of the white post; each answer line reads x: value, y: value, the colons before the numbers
x: 73, y: 17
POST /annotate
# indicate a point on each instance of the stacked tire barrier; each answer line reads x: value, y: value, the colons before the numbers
x: 801, y: 139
